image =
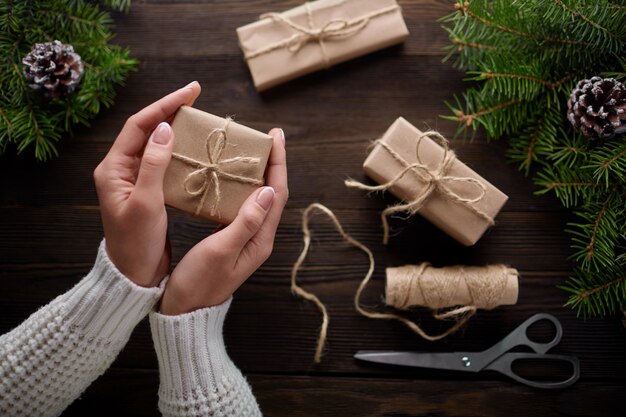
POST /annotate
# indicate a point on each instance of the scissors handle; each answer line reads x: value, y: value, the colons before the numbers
x: 504, y: 365
x: 519, y: 337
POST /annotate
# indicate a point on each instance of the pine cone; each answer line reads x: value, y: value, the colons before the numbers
x: 53, y: 68
x: 597, y: 107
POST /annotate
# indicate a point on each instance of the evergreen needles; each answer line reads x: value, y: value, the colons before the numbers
x: 523, y: 58
x: 29, y: 122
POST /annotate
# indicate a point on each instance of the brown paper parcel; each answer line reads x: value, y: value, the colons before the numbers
x: 316, y: 35
x: 454, y: 218
x: 404, y: 289
x: 238, y: 168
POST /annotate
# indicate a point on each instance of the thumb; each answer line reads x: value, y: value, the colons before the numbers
x: 156, y: 157
x: 248, y: 222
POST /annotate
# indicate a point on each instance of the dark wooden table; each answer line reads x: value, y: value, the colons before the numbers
x: 50, y: 229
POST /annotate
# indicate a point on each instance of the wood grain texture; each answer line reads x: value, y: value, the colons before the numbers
x: 50, y: 229
x: 318, y: 396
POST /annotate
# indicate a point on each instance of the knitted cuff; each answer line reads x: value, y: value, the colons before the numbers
x: 191, y: 352
x: 105, y: 304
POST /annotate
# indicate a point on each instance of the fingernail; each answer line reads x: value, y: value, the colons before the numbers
x: 191, y: 84
x: 162, y: 134
x: 265, y: 198
x: 282, y: 135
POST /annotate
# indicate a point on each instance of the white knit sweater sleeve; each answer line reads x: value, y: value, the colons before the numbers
x: 51, y: 358
x: 198, y: 378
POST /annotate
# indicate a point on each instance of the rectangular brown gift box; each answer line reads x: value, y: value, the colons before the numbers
x: 456, y: 219
x: 216, y: 164
x: 282, y: 46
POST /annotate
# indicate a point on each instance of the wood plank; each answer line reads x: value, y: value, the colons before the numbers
x: 135, y: 395
x: 50, y: 228
x: 268, y: 326
x: 357, y: 99
x: 326, y: 166
x: 199, y: 28
x: 529, y: 241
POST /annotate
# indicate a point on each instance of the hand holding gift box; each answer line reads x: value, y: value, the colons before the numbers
x: 420, y: 169
x: 316, y: 35
x: 216, y: 164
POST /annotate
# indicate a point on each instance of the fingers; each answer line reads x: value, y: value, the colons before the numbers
x: 156, y: 157
x: 259, y: 247
x: 276, y: 177
x: 248, y: 222
x: 132, y: 138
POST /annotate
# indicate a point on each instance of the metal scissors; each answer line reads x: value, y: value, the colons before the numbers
x: 497, y: 358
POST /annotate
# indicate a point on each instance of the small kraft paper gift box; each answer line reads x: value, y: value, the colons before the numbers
x: 316, y: 35
x: 420, y: 169
x: 216, y: 164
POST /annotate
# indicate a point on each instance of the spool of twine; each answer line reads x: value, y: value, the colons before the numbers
x: 465, y: 288
x: 483, y: 287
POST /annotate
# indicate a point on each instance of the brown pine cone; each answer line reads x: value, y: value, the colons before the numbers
x: 597, y: 107
x: 53, y: 68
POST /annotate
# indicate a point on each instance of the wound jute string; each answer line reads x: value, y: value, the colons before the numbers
x: 334, y: 29
x: 412, y: 284
x: 434, y: 180
x: 208, y: 174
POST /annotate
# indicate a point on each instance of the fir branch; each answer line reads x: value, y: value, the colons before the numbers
x: 597, y: 293
x: 463, y: 44
x: 550, y: 84
x: 585, y: 19
x: 569, y: 190
x: 469, y: 119
x: 591, y: 248
x: 78, y: 19
x: 464, y: 8
x: 536, y: 140
x: 608, y: 163
x: 29, y: 122
x: 595, y: 237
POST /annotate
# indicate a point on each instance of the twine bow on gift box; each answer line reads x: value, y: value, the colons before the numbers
x: 334, y: 29
x: 436, y: 180
x: 209, y: 173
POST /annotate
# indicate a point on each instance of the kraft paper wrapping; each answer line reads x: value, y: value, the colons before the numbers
x: 192, y: 128
x: 285, y: 63
x: 454, y: 218
x: 459, y: 296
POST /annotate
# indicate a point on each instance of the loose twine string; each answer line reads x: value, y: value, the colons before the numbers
x: 297, y: 290
x: 435, y: 180
x: 486, y: 287
x: 334, y: 29
x: 210, y: 172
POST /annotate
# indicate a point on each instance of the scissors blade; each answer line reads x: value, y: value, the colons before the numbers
x: 455, y: 361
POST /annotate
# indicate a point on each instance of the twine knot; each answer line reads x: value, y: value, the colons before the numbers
x: 335, y: 28
x: 208, y: 174
x: 435, y: 180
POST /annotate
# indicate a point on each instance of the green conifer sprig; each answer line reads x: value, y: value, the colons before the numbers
x: 28, y: 121
x: 523, y: 58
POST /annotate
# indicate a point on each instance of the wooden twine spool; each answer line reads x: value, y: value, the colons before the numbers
x: 483, y: 287
x: 465, y: 288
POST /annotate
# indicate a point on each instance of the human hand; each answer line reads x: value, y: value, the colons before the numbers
x: 129, y: 182
x: 214, y: 268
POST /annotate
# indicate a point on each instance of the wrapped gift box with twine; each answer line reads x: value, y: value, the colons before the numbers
x: 282, y: 46
x: 420, y: 169
x: 216, y: 164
